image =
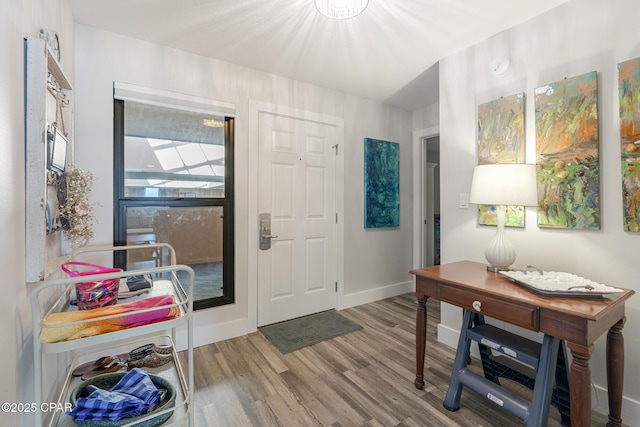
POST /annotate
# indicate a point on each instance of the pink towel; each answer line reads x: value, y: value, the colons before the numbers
x: 50, y: 333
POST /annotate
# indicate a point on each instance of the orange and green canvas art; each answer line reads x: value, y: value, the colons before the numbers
x: 567, y: 153
x: 629, y: 93
x: 501, y: 140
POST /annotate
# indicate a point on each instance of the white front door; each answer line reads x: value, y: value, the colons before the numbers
x: 296, y: 173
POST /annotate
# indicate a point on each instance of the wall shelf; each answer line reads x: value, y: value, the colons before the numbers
x: 45, y: 250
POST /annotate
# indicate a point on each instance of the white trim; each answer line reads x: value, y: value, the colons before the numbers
x: 600, y: 404
x: 448, y: 335
x: 419, y: 154
x: 377, y: 294
x: 211, y: 333
x: 255, y: 108
x: 163, y: 98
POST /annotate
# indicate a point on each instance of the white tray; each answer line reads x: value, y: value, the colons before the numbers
x: 553, y: 283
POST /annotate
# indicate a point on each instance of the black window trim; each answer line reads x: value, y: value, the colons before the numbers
x: 121, y: 203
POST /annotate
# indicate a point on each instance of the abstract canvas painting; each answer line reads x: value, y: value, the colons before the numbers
x: 567, y: 156
x: 629, y: 93
x: 501, y: 139
x: 488, y: 215
x: 501, y: 130
x: 381, y: 183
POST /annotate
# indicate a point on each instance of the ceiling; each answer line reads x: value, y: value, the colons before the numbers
x: 389, y: 53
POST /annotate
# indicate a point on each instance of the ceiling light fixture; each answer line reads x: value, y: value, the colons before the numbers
x: 213, y: 123
x: 341, y: 9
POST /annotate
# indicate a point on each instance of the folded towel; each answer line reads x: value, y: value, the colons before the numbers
x: 136, y: 283
x: 56, y: 326
x: 106, y: 405
x: 138, y: 383
x: 134, y: 395
x: 134, y: 286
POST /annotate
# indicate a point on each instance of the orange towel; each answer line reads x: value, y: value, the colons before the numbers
x: 50, y: 333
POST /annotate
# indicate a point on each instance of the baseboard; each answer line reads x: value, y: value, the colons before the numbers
x: 448, y: 336
x: 209, y: 334
x: 372, y: 295
x: 630, y: 407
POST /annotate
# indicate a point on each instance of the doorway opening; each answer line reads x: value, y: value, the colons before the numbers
x: 426, y: 197
x: 431, y: 201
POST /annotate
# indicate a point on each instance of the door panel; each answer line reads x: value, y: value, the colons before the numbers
x: 297, y: 276
x: 282, y: 270
x: 283, y: 177
x: 315, y: 264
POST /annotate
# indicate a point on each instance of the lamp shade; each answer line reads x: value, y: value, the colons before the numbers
x: 511, y: 184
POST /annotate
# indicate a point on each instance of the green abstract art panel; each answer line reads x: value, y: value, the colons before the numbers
x: 381, y: 183
x: 567, y: 153
x: 501, y: 139
x: 629, y: 93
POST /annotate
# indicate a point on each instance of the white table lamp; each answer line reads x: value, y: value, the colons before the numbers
x: 502, y: 185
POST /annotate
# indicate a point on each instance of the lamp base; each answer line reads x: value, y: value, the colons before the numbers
x: 493, y: 269
x: 500, y: 252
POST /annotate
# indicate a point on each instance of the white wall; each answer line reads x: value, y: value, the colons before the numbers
x: 17, y: 20
x: 579, y: 37
x: 375, y: 263
x: 426, y: 117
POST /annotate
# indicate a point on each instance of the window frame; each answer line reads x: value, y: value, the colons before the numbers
x: 122, y: 203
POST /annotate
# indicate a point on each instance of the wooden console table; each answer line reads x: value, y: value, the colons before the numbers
x: 578, y: 321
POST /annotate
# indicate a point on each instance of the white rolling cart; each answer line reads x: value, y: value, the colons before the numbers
x: 53, y: 296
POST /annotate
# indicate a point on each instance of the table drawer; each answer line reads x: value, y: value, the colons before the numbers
x: 515, y: 314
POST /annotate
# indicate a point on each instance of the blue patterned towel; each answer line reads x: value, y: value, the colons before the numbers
x: 134, y: 395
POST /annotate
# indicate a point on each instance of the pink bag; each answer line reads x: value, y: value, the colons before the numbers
x: 94, y: 293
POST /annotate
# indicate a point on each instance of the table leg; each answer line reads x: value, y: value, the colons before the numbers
x: 615, y: 372
x: 580, y: 385
x: 421, y: 340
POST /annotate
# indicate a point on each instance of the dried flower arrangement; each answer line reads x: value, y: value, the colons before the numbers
x: 76, y: 211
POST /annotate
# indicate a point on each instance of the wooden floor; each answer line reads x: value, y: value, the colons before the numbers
x: 364, y: 378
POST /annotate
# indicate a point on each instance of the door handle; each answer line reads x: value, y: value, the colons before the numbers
x: 264, y: 231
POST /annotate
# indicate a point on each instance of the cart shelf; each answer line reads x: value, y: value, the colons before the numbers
x: 54, y: 296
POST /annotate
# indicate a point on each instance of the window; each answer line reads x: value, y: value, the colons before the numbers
x: 173, y: 183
